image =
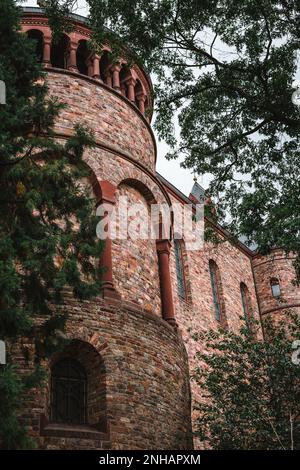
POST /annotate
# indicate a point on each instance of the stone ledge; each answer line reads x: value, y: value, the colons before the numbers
x: 281, y: 307
x: 80, y: 431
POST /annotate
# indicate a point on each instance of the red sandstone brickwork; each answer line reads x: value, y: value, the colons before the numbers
x: 116, y: 122
x: 137, y: 365
x: 196, y: 313
x: 135, y: 263
x: 276, y: 265
x: 142, y: 366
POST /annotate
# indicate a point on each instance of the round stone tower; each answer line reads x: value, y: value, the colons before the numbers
x: 123, y: 381
x: 274, y: 278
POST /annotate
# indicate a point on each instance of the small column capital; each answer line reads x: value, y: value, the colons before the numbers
x: 115, y: 68
x: 107, y: 192
x: 47, y: 39
x: 130, y: 81
x: 73, y: 45
x: 163, y: 246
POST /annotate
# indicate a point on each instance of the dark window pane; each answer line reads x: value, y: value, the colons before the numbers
x: 215, y: 289
x: 245, y: 301
x: 179, y: 270
x: 68, y: 392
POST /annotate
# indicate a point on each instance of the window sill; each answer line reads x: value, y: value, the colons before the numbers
x: 81, y: 431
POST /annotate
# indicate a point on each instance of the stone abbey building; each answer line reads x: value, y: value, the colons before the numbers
x: 124, y: 380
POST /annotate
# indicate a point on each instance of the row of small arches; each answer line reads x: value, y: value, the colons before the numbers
x: 79, y: 58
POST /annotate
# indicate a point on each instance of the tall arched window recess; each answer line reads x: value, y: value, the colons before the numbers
x: 181, y: 283
x: 216, y: 289
x: 82, y: 57
x: 68, y: 392
x: 105, y: 63
x: 245, y: 301
x: 60, y: 52
x: 37, y: 36
x: 275, y: 287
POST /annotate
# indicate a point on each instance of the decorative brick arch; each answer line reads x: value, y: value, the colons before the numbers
x: 42, y: 29
x: 91, y: 359
x: 163, y: 246
x: 91, y: 175
x: 144, y: 181
x: 141, y: 187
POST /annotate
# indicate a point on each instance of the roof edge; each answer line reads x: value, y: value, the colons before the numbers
x: 217, y: 226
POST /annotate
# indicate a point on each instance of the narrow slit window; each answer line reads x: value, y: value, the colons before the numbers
x: 245, y: 301
x: 213, y: 268
x: 179, y: 270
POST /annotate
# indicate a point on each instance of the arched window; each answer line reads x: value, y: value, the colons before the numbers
x: 60, y: 53
x: 82, y: 55
x: 245, y: 301
x: 124, y: 75
x: 179, y: 269
x: 275, y: 287
x: 138, y: 90
x: 37, y: 37
x: 68, y: 392
x: 216, y: 290
x: 105, y: 62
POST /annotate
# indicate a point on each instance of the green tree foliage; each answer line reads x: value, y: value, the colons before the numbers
x: 250, y: 388
x: 226, y: 69
x: 47, y: 218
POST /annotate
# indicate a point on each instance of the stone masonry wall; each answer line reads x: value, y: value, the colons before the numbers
x: 277, y: 265
x: 135, y: 263
x: 146, y: 380
x: 196, y: 313
x: 115, y: 122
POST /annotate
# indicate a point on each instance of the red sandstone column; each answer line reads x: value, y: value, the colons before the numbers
x: 108, y: 200
x: 96, y: 67
x: 141, y: 98
x: 72, y: 62
x: 90, y: 66
x: 47, y: 52
x: 130, y: 84
x: 167, y: 306
x: 116, y: 77
x: 123, y: 89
